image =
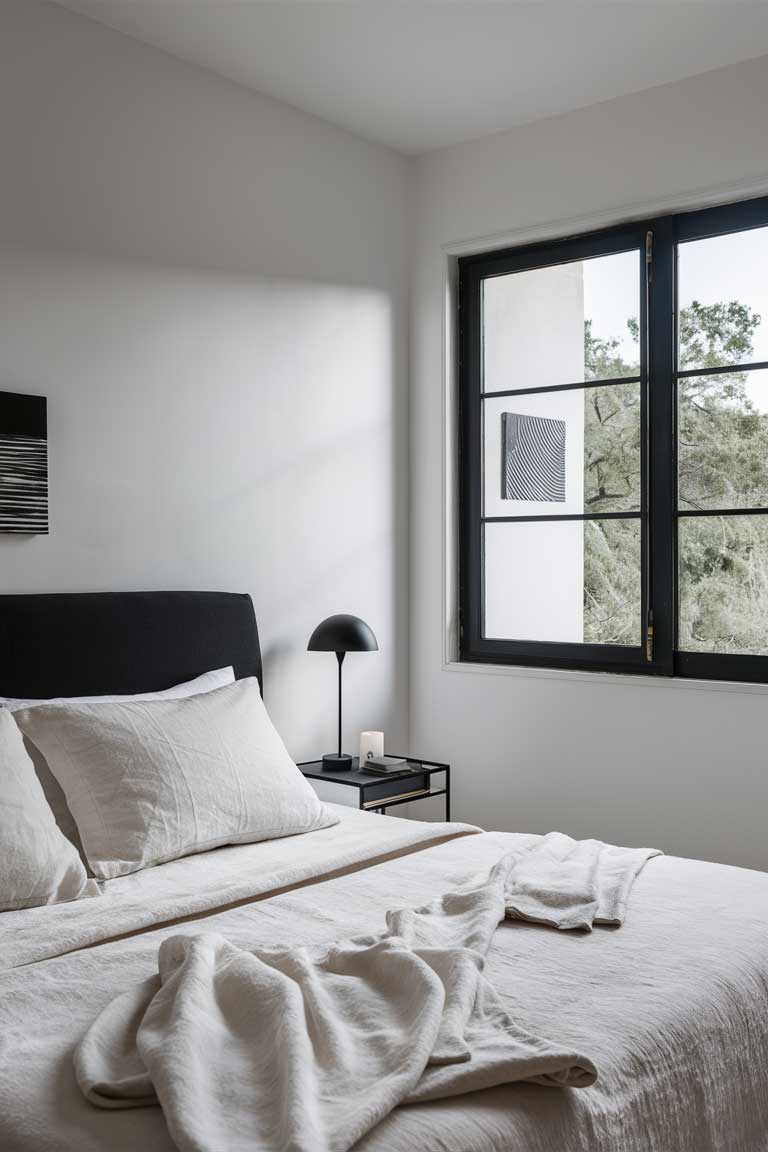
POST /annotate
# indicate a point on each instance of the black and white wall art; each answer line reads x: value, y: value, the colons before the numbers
x: 23, y: 463
x: 532, y: 458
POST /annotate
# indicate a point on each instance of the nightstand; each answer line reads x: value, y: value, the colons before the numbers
x: 375, y: 793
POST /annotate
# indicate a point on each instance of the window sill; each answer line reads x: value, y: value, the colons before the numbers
x: 620, y: 679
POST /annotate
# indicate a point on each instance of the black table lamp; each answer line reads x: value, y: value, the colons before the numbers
x: 341, y: 634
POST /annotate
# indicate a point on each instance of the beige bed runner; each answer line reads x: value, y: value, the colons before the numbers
x: 246, y: 900
x: 206, y: 884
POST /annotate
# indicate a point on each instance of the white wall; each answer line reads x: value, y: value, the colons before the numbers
x: 682, y: 767
x: 210, y: 288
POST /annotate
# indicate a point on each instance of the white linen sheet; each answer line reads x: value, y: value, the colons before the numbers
x: 356, y: 1027
x: 672, y: 1008
x: 196, y: 884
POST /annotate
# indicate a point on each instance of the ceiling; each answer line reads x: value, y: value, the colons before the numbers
x: 420, y: 74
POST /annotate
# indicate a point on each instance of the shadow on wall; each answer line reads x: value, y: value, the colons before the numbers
x: 210, y: 287
x: 220, y: 432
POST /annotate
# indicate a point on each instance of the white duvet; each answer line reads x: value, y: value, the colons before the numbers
x: 194, y: 885
x: 672, y: 1008
x: 307, y: 1049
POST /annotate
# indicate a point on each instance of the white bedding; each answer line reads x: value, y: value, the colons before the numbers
x: 149, y: 781
x: 672, y: 1008
x: 355, y: 1028
x: 195, y: 884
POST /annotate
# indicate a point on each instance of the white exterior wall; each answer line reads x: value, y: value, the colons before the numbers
x: 533, y: 336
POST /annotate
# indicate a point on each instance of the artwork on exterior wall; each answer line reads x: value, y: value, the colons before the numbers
x: 23, y: 463
x: 532, y: 458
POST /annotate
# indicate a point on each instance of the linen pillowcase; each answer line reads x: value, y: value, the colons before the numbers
x: 37, y: 864
x: 152, y: 781
x: 205, y: 683
x: 51, y: 787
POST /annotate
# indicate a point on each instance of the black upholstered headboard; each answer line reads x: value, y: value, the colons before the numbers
x: 114, y: 643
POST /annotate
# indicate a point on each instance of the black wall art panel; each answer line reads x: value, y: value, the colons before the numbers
x: 23, y: 463
x: 532, y: 458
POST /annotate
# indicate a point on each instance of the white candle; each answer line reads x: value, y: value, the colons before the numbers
x: 371, y: 744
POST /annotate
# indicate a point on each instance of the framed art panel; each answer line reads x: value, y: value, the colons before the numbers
x: 23, y: 463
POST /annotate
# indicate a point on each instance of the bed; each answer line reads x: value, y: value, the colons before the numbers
x: 672, y: 1007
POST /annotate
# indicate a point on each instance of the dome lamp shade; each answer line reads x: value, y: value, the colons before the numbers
x: 341, y: 634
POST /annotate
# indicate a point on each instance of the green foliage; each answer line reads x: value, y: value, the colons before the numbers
x: 715, y: 334
x: 612, y: 581
x: 724, y: 584
x: 723, y: 439
x: 723, y: 463
x: 611, y: 483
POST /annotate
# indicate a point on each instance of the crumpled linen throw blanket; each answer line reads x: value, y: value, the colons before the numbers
x: 573, y: 883
x: 307, y: 1048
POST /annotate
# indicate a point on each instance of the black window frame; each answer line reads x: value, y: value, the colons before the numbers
x: 656, y: 653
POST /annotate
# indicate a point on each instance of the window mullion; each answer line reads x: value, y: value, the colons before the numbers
x: 661, y: 444
x: 470, y: 459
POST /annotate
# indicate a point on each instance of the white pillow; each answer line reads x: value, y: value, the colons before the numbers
x: 205, y: 683
x: 149, y: 782
x: 50, y: 785
x: 37, y: 864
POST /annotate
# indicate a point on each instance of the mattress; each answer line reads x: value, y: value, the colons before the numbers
x: 672, y: 1007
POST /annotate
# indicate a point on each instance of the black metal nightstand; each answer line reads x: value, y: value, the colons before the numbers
x: 377, y: 793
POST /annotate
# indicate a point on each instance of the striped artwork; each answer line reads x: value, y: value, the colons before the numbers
x: 23, y: 464
x: 532, y: 458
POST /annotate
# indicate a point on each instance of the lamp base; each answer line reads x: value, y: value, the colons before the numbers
x: 337, y: 762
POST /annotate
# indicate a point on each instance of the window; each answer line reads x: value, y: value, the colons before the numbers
x: 614, y: 449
